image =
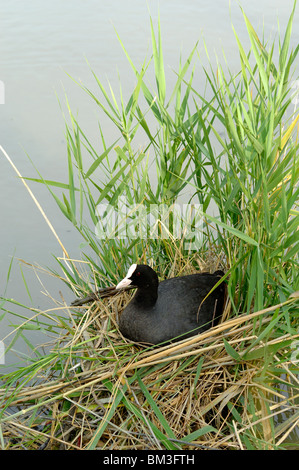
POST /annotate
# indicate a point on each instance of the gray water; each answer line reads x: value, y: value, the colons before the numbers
x: 41, y: 44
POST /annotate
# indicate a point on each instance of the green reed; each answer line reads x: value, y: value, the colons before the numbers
x: 251, y: 178
x: 234, y: 151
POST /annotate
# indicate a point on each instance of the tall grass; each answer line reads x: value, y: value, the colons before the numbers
x: 236, y: 155
x: 252, y: 178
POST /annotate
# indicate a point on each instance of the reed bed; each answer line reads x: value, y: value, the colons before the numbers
x: 96, y: 390
x: 234, y: 386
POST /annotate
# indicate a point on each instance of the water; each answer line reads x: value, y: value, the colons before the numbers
x: 41, y: 43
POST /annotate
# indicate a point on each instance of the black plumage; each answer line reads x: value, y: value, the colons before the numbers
x: 175, y: 307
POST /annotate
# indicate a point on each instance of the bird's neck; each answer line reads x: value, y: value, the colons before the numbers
x: 146, y: 297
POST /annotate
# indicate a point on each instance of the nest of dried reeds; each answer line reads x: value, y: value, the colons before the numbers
x: 95, y: 389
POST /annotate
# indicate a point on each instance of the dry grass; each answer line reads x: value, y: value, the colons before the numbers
x: 97, y: 390
x: 225, y: 388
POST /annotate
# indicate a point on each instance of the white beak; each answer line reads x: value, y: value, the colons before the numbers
x: 124, y: 283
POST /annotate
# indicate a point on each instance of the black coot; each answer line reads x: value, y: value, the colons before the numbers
x: 163, y: 311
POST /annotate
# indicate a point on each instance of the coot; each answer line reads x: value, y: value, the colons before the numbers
x: 160, y: 312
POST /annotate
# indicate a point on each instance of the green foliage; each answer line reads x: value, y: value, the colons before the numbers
x: 235, y: 154
x: 251, y: 177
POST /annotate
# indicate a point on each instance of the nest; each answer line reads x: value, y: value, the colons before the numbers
x: 96, y: 390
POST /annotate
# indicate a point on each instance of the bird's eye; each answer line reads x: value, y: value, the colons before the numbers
x: 138, y: 273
